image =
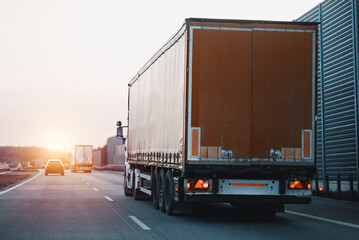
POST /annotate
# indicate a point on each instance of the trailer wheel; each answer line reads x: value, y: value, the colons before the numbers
x: 155, y: 188
x: 169, y: 194
x: 161, y: 196
x: 126, y: 190
x: 136, y: 191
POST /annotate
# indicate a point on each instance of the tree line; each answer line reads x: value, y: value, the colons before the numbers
x: 16, y: 154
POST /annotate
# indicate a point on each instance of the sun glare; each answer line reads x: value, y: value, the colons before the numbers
x: 59, y: 143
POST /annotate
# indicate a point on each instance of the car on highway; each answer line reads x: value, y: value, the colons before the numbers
x: 54, y: 166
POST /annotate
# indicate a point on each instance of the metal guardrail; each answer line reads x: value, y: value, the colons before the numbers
x: 19, y: 167
x: 339, y: 187
x: 4, y: 167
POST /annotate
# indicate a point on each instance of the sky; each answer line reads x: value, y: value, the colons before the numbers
x: 65, y: 64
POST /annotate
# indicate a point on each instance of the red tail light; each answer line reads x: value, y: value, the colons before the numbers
x: 198, y: 185
x: 299, y: 184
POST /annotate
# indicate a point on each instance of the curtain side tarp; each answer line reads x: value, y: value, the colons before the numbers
x: 156, y: 104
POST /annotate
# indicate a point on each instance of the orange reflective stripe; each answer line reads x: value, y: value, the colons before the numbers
x: 195, y: 139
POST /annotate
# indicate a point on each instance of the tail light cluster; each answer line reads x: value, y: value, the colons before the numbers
x: 299, y: 184
x: 198, y: 185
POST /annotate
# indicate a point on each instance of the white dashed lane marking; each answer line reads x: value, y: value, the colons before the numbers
x: 108, y: 198
x: 139, y: 223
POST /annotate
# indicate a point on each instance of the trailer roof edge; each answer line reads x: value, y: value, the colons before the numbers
x: 245, y: 21
x: 187, y: 21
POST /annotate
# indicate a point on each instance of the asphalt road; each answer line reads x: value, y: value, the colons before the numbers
x: 93, y: 206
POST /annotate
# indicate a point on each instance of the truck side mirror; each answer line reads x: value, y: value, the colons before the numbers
x: 119, y: 130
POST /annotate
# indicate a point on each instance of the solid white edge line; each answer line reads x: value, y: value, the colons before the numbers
x: 88, y: 183
x: 5, y: 172
x: 95, y: 189
x: 139, y: 223
x: 108, y: 198
x: 324, y: 219
x: 20, y: 184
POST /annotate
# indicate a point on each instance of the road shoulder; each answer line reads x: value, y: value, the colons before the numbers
x: 14, y: 179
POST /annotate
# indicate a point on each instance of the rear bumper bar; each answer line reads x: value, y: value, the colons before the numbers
x: 247, y: 199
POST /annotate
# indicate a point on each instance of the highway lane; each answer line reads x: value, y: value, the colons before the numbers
x: 57, y: 207
x: 93, y: 206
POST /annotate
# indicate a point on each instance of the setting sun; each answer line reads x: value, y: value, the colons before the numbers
x: 60, y: 142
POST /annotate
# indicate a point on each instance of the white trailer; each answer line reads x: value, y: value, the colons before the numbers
x: 225, y: 112
x: 83, y: 160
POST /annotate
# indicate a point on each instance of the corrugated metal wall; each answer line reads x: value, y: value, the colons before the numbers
x: 337, y: 120
x: 97, y: 158
x: 112, y: 143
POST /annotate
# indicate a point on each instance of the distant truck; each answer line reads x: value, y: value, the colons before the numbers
x: 83, y: 160
x: 225, y: 112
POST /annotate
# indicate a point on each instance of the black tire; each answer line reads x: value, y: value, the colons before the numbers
x: 136, y: 192
x: 62, y: 174
x: 169, y: 193
x: 161, y: 195
x: 126, y: 190
x: 155, y: 189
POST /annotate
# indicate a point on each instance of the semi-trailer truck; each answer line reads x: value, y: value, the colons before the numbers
x: 83, y: 160
x: 225, y: 112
